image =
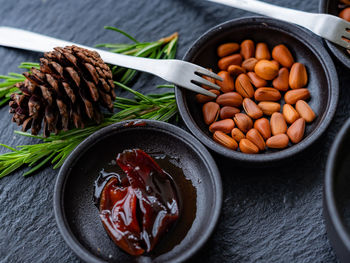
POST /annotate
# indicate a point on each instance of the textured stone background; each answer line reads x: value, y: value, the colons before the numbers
x: 269, y: 215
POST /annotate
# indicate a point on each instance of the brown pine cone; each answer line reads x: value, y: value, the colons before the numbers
x: 68, y: 89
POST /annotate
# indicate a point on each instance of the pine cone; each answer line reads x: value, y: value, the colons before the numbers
x: 69, y: 88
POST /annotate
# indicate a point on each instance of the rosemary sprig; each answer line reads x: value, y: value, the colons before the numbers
x: 56, y: 148
x: 7, y: 87
x: 164, y: 48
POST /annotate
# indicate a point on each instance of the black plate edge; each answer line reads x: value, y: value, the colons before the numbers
x: 336, y: 229
x: 61, y: 221
x: 326, y: 62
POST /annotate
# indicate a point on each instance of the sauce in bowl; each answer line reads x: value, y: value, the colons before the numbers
x: 140, y: 205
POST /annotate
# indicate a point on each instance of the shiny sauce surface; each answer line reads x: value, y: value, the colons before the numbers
x: 140, y: 203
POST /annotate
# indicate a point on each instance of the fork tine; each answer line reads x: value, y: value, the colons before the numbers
x: 346, y: 34
x: 344, y: 44
x: 346, y: 24
x: 344, y: 39
x: 203, y: 81
x: 200, y: 90
x: 208, y: 73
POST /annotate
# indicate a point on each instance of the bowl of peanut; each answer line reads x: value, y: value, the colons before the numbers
x: 278, y: 95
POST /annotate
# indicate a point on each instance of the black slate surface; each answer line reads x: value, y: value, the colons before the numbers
x: 269, y: 215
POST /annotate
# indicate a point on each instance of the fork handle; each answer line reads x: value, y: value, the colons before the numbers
x: 22, y: 39
x: 301, y: 18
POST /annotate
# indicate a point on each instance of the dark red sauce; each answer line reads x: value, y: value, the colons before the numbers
x: 138, y: 123
x: 137, y: 209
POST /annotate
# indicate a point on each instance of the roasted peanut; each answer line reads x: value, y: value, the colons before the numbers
x: 345, y: 14
x: 235, y: 59
x: 210, y: 112
x: 263, y: 126
x: 227, y: 84
x: 297, y: 76
x: 292, y: 96
x: 281, y: 82
x: 225, y: 126
x: 269, y: 107
x: 289, y: 113
x: 237, y: 134
x: 235, y: 70
x: 296, y: 131
x: 282, y: 55
x: 246, y: 146
x: 243, y: 122
x: 212, y: 80
x: 232, y: 99
x: 227, y: 112
x: 255, y: 137
x: 278, y: 141
x: 256, y: 80
x: 267, y: 94
x: 225, y: 140
x: 247, y: 49
x: 278, y: 124
x: 262, y: 51
x: 276, y: 63
x: 244, y: 87
x: 305, y: 111
x: 252, y: 109
x: 249, y: 64
x: 227, y: 49
x: 203, y: 98
x: 266, y: 69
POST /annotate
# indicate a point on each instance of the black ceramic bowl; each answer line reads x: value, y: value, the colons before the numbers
x: 336, y: 201
x: 331, y: 7
x: 78, y: 218
x: 323, y: 80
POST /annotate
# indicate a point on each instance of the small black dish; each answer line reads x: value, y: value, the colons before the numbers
x: 78, y: 218
x: 331, y: 7
x: 305, y: 47
x: 336, y: 200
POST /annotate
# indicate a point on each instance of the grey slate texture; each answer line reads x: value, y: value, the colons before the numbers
x: 269, y: 214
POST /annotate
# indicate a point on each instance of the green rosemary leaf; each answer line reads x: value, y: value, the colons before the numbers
x: 125, y: 100
x: 28, y: 135
x: 36, y: 154
x: 116, y: 46
x: 17, y: 75
x: 38, y: 166
x: 162, y: 49
x: 65, y: 153
x: 29, y: 65
x: 7, y: 87
x: 57, y: 157
x: 11, y: 168
x: 8, y: 147
x: 4, y: 101
x: 138, y: 94
x: 121, y: 32
x: 171, y: 112
x: 128, y: 76
x: 5, y: 77
x: 124, y: 50
x: 56, y: 148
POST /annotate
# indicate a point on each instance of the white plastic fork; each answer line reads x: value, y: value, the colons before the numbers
x: 327, y: 26
x: 181, y: 73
